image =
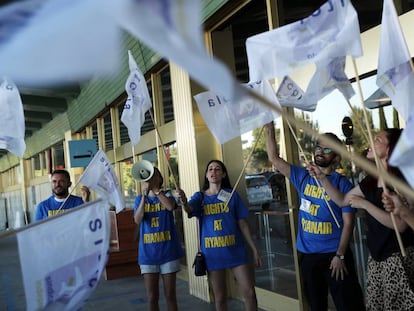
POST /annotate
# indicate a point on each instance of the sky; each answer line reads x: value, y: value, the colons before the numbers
x: 333, y: 108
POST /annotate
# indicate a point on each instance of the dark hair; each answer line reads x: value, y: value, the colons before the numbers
x: 225, y: 183
x: 331, y: 136
x: 159, y: 174
x: 393, y: 135
x: 62, y: 172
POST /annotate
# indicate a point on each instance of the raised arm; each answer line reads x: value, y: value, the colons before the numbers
x: 168, y: 202
x: 279, y: 164
x: 183, y: 199
x: 139, y: 213
x: 341, y: 199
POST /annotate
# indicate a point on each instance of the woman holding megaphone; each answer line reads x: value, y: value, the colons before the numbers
x: 159, y: 246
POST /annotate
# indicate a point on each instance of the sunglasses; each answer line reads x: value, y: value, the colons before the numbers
x: 324, y: 150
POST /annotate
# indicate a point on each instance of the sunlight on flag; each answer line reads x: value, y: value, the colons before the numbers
x: 173, y: 29
x: 100, y: 176
x: 63, y: 257
x: 395, y: 76
x: 229, y: 119
x: 12, y: 129
x: 402, y: 155
x: 138, y: 102
x: 59, y: 41
x: 331, y: 31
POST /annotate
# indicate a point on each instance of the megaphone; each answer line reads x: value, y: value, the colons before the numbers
x: 142, y: 170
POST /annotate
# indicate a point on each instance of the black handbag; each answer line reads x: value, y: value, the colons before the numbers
x: 199, y: 264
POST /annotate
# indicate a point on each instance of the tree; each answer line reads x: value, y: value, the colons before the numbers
x: 259, y: 161
x: 382, y: 121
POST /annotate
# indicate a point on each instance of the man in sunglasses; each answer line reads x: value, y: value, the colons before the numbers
x: 325, y: 259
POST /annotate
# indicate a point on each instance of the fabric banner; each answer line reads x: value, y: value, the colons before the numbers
x: 329, y: 76
x: 100, y: 176
x: 12, y: 130
x: 40, y: 44
x: 395, y: 76
x: 331, y: 31
x: 402, y: 155
x: 326, y: 79
x: 229, y: 119
x: 138, y: 102
x: 62, y: 258
x: 173, y: 29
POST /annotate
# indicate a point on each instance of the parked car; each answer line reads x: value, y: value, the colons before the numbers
x: 259, y: 191
x: 278, y: 184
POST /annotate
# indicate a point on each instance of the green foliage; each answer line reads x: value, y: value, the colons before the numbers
x: 382, y: 121
x: 395, y: 119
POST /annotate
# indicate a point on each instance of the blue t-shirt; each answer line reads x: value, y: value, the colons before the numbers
x: 317, y: 229
x: 50, y: 206
x: 222, y: 241
x: 158, y: 239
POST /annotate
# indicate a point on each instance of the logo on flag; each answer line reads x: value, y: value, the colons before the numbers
x: 228, y: 119
x: 63, y: 270
x: 395, y: 76
x: 138, y: 102
x: 100, y: 176
x: 331, y: 31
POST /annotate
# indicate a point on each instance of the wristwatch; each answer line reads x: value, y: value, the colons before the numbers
x: 342, y: 257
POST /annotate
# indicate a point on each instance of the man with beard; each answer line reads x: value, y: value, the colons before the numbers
x: 60, y: 200
x: 325, y: 259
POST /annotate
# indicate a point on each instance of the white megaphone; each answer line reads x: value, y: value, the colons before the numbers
x: 142, y: 170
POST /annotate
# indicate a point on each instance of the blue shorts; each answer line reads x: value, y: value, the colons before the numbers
x: 165, y: 268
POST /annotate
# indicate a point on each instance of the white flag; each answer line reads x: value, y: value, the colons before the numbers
x: 326, y: 78
x: 331, y: 31
x: 58, y: 41
x: 62, y: 258
x: 138, y: 102
x: 289, y: 94
x: 402, y: 156
x: 329, y: 75
x: 395, y: 76
x: 229, y: 119
x: 12, y: 128
x: 173, y: 30
x: 100, y: 176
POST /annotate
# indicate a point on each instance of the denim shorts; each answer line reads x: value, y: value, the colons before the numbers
x: 165, y: 268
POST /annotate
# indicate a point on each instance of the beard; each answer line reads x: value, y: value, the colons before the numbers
x: 323, y: 162
x: 60, y: 193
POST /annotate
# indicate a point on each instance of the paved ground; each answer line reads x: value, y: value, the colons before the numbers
x: 121, y: 294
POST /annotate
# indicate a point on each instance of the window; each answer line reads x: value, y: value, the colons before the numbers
x: 109, y: 143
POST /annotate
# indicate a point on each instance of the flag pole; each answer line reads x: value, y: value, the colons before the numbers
x: 162, y: 144
x: 244, y: 168
x: 377, y: 161
x: 314, y: 177
x: 339, y: 148
x: 74, y: 187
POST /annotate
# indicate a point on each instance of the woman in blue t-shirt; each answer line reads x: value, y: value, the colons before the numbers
x: 159, y: 246
x: 224, y: 231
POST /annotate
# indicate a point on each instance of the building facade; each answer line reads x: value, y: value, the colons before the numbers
x: 175, y: 136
